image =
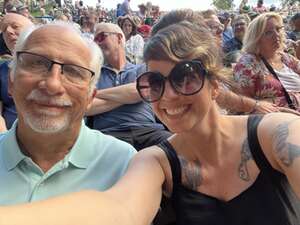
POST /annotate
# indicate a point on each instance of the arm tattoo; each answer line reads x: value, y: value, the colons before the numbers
x: 285, y: 151
x: 245, y: 157
x: 191, y: 174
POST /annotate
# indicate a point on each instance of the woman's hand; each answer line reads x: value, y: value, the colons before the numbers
x: 264, y: 107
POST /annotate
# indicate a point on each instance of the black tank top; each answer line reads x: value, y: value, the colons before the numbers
x: 268, y: 201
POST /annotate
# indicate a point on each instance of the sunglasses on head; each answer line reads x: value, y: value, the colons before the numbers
x: 186, y: 78
x: 102, y: 36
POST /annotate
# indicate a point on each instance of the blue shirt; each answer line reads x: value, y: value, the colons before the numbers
x: 128, y: 115
x: 232, y: 45
x: 96, y: 161
x: 9, y: 112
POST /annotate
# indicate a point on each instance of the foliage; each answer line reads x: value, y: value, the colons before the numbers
x: 223, y: 4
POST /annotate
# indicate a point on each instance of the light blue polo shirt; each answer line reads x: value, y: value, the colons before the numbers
x: 96, y: 161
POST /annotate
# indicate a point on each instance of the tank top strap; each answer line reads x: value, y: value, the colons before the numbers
x: 255, y: 148
x: 173, y: 160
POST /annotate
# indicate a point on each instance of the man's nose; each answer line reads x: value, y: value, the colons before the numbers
x: 53, y: 83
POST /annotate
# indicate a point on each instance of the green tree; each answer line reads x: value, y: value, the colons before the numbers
x: 223, y: 4
x: 289, y: 2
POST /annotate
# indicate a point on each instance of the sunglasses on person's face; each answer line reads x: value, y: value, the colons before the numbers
x: 186, y: 78
x: 102, y: 36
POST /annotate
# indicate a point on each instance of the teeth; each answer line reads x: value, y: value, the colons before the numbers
x: 175, y: 111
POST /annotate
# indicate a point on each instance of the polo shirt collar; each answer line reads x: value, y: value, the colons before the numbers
x: 127, y: 66
x: 12, y: 154
x: 80, y: 155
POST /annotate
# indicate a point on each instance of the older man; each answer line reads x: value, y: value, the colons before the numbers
x: 49, y: 151
x: 117, y: 109
x: 11, y: 26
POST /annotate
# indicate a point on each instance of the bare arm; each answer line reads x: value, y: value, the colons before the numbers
x: 125, y: 94
x: 134, y: 200
x: 237, y: 103
x: 100, y: 106
x: 279, y: 136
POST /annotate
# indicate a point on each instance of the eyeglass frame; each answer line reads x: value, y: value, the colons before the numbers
x: 105, y: 35
x: 166, y: 78
x: 52, y: 62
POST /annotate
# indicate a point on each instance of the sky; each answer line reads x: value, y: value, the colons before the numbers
x: 172, y: 4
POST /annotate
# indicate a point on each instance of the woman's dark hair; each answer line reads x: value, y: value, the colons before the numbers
x: 121, y: 21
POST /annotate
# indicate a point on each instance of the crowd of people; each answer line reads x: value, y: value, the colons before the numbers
x: 137, y: 118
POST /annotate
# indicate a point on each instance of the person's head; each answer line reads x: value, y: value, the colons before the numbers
x: 183, y: 68
x: 128, y: 25
x: 214, y: 25
x: 260, y: 3
x: 61, y: 17
x: 295, y: 22
x: 111, y: 39
x: 52, y: 80
x: 264, y: 34
x: 23, y: 10
x: 11, y: 25
x: 177, y: 16
x: 239, y: 26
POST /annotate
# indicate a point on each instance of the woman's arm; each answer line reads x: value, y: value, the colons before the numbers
x: 134, y: 200
x: 279, y: 136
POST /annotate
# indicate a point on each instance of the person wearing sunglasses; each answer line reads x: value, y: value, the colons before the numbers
x: 117, y: 109
x: 212, y: 167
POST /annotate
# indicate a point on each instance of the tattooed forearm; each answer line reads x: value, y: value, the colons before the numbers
x: 245, y: 157
x: 285, y: 151
x: 191, y: 174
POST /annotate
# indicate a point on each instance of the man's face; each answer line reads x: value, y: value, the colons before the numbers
x: 11, y: 26
x: 108, y: 41
x: 49, y: 101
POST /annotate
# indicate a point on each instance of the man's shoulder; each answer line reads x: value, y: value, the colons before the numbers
x: 109, y: 144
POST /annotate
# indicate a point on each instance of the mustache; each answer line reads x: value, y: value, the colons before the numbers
x: 37, y: 96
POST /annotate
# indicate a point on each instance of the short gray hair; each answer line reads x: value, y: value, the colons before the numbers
x: 96, y: 53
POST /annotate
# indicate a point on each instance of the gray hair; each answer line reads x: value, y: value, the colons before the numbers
x: 96, y: 53
x: 110, y: 27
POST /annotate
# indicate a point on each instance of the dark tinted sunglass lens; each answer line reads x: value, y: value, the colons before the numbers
x: 100, y: 37
x: 150, y: 86
x: 188, y: 78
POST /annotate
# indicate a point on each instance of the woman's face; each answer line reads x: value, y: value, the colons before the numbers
x: 272, y: 37
x: 180, y: 113
x: 127, y: 27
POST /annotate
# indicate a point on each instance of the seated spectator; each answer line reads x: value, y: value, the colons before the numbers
x: 265, y: 72
x: 117, y: 109
x: 12, y: 25
x: 225, y: 19
x: 260, y: 8
x: 239, y: 25
x: 295, y: 24
x: 134, y: 41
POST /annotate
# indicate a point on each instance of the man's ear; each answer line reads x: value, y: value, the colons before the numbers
x: 91, y: 98
x: 120, y: 37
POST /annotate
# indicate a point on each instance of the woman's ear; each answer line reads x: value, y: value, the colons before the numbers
x: 215, y: 85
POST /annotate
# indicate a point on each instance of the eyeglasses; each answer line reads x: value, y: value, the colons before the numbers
x: 186, y: 78
x: 102, y: 36
x: 41, y: 65
x: 270, y: 33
